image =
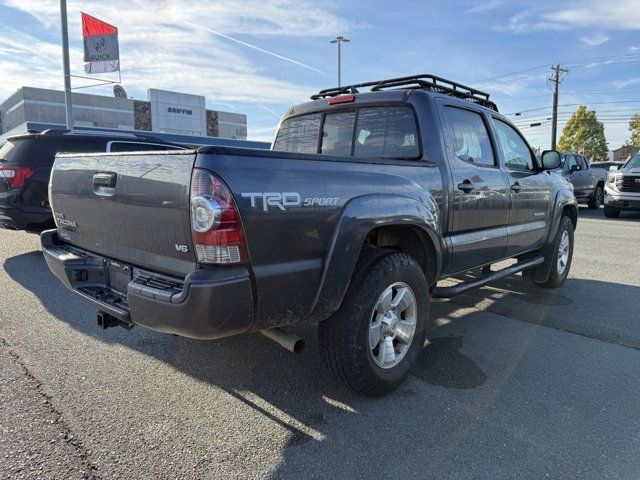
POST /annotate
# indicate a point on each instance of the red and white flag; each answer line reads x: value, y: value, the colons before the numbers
x: 101, y: 49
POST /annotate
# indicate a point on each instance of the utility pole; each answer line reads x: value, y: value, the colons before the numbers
x: 555, y: 79
x: 65, y: 64
x: 339, y: 40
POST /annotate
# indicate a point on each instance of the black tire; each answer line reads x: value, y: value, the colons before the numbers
x: 610, y: 212
x: 344, y: 337
x: 556, y: 277
x: 596, y: 200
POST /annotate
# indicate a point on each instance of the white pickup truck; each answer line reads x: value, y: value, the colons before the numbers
x: 622, y: 189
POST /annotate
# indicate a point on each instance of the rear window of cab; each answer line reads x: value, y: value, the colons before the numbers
x: 383, y: 132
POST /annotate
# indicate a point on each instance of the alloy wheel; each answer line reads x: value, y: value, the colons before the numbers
x: 393, y: 325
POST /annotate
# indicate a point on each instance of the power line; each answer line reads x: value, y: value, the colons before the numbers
x: 573, y: 105
x: 576, y: 62
x: 604, y: 64
x: 565, y: 116
x: 605, y: 61
x: 606, y: 57
x: 512, y: 73
x: 604, y: 92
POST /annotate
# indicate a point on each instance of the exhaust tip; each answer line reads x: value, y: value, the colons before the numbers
x: 298, y: 346
x: 289, y: 341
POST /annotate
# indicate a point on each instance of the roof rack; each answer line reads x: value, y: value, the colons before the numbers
x: 428, y: 82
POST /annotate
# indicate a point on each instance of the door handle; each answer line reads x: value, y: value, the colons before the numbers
x: 105, y: 179
x: 466, y: 186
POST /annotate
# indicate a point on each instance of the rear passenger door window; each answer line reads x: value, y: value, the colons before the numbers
x: 337, y: 133
x: 470, y: 137
x: 299, y: 134
x: 386, y: 132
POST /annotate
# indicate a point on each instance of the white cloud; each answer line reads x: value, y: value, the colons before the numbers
x: 527, y: 22
x: 513, y: 85
x: 627, y: 82
x: 486, y: 6
x: 161, y: 48
x: 595, y: 40
x: 618, y: 15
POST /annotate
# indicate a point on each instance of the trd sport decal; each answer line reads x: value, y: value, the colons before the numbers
x: 285, y: 200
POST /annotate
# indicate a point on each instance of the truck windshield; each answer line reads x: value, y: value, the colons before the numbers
x: 383, y: 132
x: 634, y: 162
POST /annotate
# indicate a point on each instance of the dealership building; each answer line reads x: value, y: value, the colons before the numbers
x: 168, y: 112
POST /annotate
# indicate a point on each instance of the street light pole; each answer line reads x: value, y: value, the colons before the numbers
x: 339, y: 40
x: 65, y: 64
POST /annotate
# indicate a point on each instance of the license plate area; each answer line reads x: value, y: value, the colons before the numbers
x: 118, y: 276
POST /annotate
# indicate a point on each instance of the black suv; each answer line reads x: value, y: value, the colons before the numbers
x: 25, y: 166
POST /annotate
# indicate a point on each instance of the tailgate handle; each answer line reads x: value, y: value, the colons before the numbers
x: 105, y: 179
x: 104, y: 183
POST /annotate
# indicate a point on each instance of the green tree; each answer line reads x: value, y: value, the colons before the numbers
x: 583, y: 130
x: 634, y: 129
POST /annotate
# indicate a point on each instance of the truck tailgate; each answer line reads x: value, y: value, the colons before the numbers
x: 129, y: 207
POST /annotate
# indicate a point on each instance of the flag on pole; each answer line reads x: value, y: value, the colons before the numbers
x: 100, y: 45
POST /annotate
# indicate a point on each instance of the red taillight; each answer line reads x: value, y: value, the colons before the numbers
x: 342, y: 99
x: 215, y: 221
x: 16, y: 176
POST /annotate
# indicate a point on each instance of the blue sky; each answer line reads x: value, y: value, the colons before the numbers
x: 259, y: 57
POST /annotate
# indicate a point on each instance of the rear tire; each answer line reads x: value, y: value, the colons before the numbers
x: 610, y: 212
x: 562, y: 254
x: 596, y: 200
x: 370, y: 344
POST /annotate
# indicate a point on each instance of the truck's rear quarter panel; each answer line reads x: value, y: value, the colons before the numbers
x: 288, y: 246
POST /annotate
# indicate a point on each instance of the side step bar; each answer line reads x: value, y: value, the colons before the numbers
x: 448, y: 292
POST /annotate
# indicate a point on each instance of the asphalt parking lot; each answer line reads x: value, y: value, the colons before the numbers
x: 516, y: 382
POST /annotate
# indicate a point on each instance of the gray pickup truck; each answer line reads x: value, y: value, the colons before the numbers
x: 587, y: 180
x: 366, y: 200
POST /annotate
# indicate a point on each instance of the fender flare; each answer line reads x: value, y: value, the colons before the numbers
x: 359, y: 217
x: 563, y: 199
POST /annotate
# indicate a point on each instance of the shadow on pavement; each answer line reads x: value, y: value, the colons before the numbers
x: 296, y: 394
x: 442, y: 364
x: 253, y: 369
x: 598, y: 214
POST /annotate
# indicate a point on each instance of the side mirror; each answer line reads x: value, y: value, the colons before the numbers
x: 550, y: 160
x: 574, y: 168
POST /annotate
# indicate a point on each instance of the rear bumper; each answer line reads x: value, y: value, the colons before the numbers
x: 28, y: 218
x: 206, y: 304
